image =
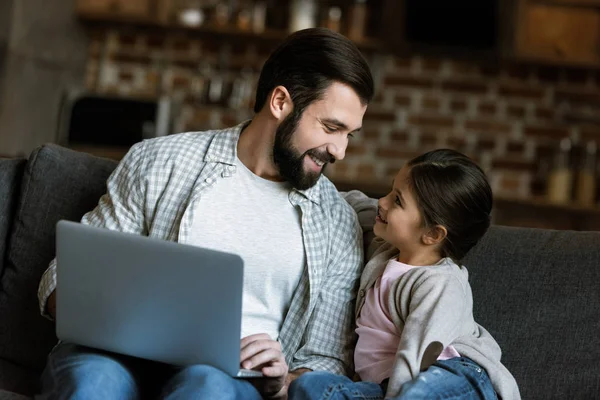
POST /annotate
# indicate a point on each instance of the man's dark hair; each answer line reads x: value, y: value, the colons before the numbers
x: 308, y: 62
x: 451, y: 190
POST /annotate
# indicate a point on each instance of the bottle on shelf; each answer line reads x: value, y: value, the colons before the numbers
x: 333, y: 20
x: 221, y: 14
x: 586, y: 176
x: 303, y: 14
x: 357, y: 20
x: 539, y: 181
x: 259, y: 15
x: 560, y: 180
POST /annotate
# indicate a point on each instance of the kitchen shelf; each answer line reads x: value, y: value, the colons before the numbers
x: 268, y: 35
x: 542, y: 203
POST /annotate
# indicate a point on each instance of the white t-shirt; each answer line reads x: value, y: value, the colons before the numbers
x: 253, y: 217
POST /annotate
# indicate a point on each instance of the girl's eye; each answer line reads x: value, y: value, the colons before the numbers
x: 398, y: 201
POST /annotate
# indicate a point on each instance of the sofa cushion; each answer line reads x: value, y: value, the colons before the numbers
x: 4, y: 395
x: 17, y: 379
x: 11, y: 171
x: 57, y: 184
x: 536, y: 291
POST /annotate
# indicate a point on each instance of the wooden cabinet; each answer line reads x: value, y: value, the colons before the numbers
x: 116, y: 8
x: 584, y: 3
x: 558, y: 34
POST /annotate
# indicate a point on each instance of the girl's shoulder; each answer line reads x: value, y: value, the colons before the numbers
x: 446, y: 272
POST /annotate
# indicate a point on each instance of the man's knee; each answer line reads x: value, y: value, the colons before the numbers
x: 203, y: 375
x: 77, y: 372
x: 205, y: 382
x: 313, y: 383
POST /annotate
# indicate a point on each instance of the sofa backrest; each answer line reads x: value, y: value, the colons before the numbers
x: 57, y: 184
x: 534, y: 290
x: 537, y: 293
x: 11, y: 171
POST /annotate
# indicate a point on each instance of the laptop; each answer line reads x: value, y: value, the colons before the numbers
x: 149, y: 298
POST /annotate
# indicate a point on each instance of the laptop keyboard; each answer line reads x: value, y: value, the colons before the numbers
x: 249, y: 373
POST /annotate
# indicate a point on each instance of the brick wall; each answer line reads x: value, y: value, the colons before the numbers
x: 506, y: 117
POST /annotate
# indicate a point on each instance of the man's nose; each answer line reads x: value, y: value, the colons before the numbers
x: 338, y: 147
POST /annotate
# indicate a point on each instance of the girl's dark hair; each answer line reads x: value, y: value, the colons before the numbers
x: 451, y: 190
x: 308, y: 62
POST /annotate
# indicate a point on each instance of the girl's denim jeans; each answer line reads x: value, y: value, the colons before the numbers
x: 456, y: 378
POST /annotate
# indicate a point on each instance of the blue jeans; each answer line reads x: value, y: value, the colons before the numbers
x: 77, y: 372
x: 456, y: 378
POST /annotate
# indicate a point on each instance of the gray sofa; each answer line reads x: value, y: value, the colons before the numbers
x: 536, y: 291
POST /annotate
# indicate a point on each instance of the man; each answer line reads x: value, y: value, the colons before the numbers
x: 257, y: 190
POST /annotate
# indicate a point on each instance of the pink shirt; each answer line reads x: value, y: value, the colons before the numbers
x: 378, y: 337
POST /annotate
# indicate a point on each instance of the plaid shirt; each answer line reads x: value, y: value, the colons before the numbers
x: 153, y: 190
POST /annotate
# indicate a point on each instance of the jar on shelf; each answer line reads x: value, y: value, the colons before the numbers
x: 190, y: 13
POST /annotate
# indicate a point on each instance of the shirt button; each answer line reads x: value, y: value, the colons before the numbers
x: 361, y: 293
x: 231, y: 168
x: 209, y: 180
x: 209, y: 158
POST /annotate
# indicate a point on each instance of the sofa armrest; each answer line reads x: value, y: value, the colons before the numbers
x: 11, y: 172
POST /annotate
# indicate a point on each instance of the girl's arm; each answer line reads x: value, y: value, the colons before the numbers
x: 430, y: 311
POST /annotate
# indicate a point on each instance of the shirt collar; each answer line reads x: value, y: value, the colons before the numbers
x: 313, y: 193
x: 223, y: 149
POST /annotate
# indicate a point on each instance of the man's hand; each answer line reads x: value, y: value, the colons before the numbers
x: 51, y: 304
x: 261, y: 353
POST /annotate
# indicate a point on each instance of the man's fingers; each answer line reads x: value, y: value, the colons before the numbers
x: 252, y: 338
x: 264, y: 357
x: 254, y: 347
x: 275, y: 370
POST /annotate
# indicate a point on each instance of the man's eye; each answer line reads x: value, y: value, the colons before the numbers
x: 330, y: 129
x: 350, y: 135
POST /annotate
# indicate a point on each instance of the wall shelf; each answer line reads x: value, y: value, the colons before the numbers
x: 535, y: 212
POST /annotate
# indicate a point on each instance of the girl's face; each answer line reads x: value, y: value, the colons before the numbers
x: 399, y: 222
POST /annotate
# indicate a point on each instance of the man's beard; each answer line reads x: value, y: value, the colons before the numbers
x: 290, y: 162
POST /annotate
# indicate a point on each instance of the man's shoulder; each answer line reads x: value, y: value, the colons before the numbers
x: 335, y: 205
x: 180, y: 143
x: 191, y: 147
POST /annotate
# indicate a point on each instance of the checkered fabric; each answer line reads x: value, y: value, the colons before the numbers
x: 153, y: 190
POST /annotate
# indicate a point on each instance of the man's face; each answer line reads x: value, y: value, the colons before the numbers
x: 306, y: 143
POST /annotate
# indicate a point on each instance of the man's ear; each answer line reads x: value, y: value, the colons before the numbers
x: 435, y: 235
x: 280, y: 103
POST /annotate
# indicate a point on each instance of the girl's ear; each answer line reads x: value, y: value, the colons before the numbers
x: 435, y: 235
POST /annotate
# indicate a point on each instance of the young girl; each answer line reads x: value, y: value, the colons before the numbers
x: 416, y: 335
